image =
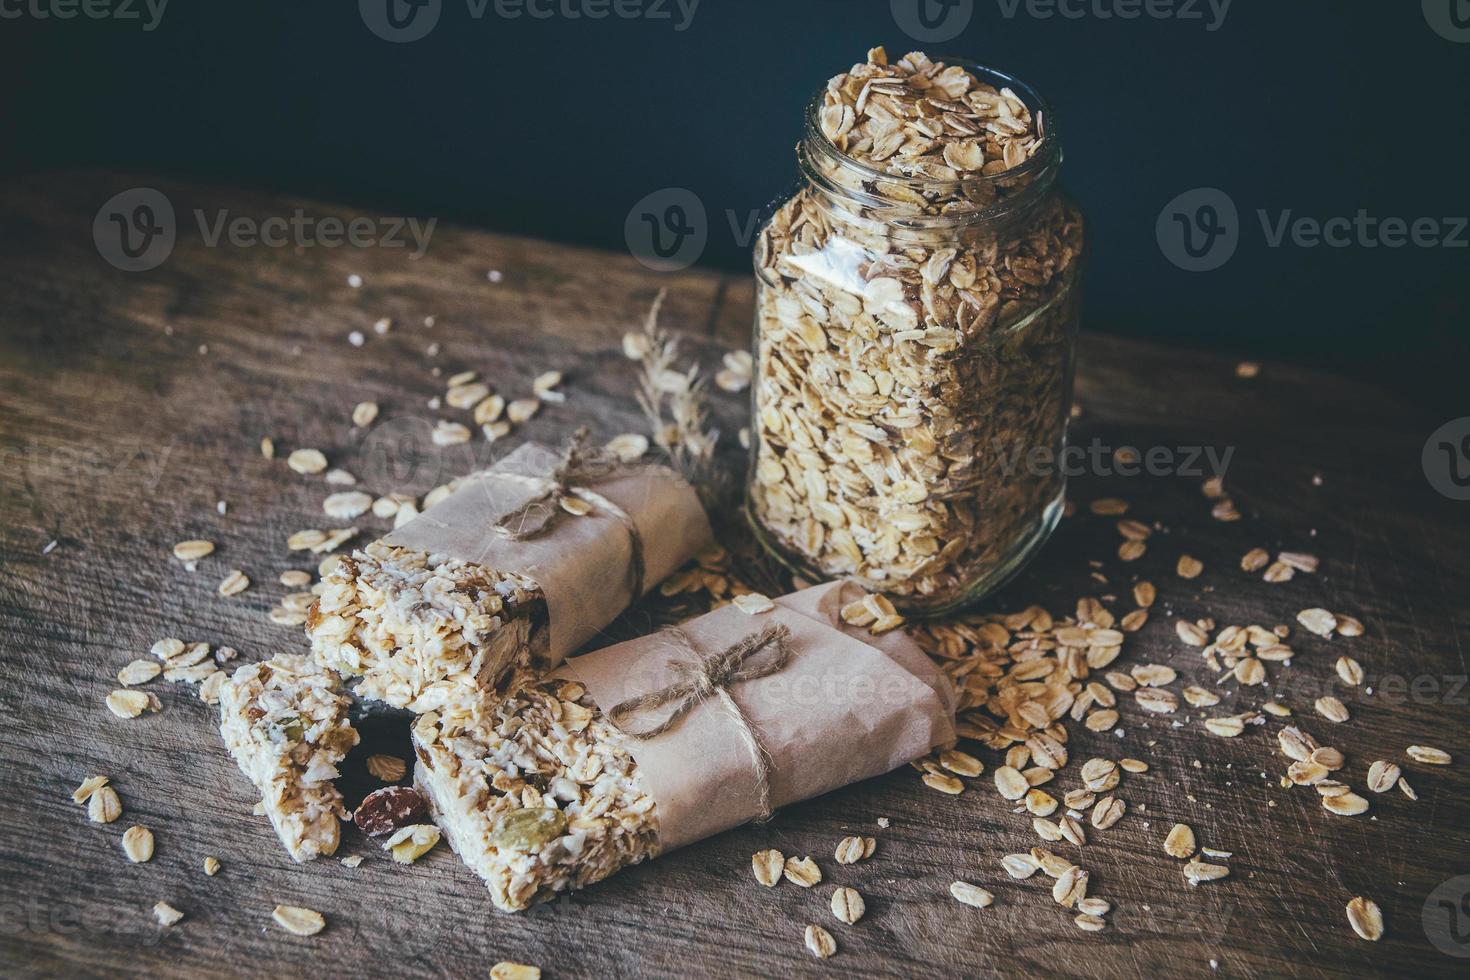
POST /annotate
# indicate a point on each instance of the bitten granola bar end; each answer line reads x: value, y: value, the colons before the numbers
x: 285, y: 723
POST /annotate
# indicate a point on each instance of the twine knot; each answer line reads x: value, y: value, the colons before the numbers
x: 566, y: 490
x: 706, y: 676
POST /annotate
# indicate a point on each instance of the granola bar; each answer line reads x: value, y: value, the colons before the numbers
x: 411, y: 626
x: 285, y: 723
x: 535, y: 791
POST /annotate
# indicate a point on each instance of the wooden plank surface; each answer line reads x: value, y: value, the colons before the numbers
x: 130, y: 403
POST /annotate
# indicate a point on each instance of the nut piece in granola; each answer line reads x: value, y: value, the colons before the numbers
x: 410, y: 843
x: 285, y: 723
x: 389, y: 810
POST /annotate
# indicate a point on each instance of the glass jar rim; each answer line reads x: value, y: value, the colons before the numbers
x: 1048, y: 151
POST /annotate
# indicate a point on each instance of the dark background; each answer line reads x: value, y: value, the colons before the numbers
x: 555, y: 127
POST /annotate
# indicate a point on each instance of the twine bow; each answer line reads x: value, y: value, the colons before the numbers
x: 709, y: 676
x: 578, y: 465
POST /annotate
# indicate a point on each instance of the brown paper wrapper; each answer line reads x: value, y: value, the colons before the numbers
x: 583, y: 565
x: 847, y: 707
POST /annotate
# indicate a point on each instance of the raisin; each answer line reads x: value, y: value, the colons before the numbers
x: 390, y: 809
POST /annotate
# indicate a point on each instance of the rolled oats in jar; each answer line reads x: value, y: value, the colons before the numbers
x: 916, y: 318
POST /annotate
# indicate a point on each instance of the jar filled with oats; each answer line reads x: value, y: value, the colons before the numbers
x: 916, y: 318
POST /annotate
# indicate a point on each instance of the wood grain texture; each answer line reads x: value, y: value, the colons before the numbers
x: 119, y: 434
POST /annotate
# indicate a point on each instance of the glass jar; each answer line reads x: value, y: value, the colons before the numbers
x: 914, y: 346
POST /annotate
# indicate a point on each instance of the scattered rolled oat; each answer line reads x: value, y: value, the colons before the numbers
x: 1255, y: 560
x: 166, y: 914
x: 1319, y: 621
x: 1189, y: 567
x: 768, y: 865
x: 1020, y: 865
x: 1366, y: 918
x: 103, y: 806
x: 847, y: 905
x: 346, y: 505
x: 802, y: 871
x: 1070, y: 887
x: 944, y: 784
x: 1090, y: 923
x: 1010, y: 783
x: 522, y: 409
x: 506, y: 970
x: 307, y: 462
x: 1332, y: 709
x: 137, y: 843
x: 820, y: 942
x: 364, y: 413
x: 127, y: 703
x: 753, y: 603
x: 234, y: 583
x: 295, y: 578
x: 1345, y: 804
x: 388, y: 768
x: 211, y: 866
x: 447, y: 433
x: 1180, y: 841
x: 138, y: 672
x: 1198, y: 871
x: 1349, y: 670
x: 90, y: 785
x: 972, y: 895
x: 193, y: 550
x: 1429, y: 755
x: 628, y: 447
x: 297, y: 920
x: 851, y: 850
x: 961, y: 763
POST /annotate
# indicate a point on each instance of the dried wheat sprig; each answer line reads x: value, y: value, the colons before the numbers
x: 675, y: 402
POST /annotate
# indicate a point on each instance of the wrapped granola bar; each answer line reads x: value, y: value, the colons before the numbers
x: 648, y: 745
x: 520, y: 565
x: 285, y: 723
